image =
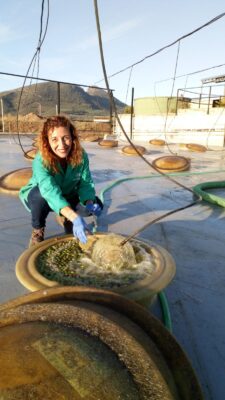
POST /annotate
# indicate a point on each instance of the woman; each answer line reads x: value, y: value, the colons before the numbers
x: 61, y: 180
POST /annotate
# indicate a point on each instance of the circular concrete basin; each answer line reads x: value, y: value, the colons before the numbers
x: 130, y: 151
x: 142, y: 290
x: 183, y: 146
x: 107, y: 143
x: 157, y: 142
x: 63, y: 343
x: 171, y: 163
x: 196, y: 147
x: 35, y: 143
x: 30, y: 154
x: 90, y: 138
x: 12, y: 182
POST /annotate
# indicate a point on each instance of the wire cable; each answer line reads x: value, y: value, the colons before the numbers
x: 191, y: 73
x: 171, y: 96
x: 161, y: 295
x: 128, y: 84
x: 196, y: 197
x: 33, y: 60
x: 169, y: 45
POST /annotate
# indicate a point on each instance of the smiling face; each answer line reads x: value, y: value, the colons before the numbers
x: 60, y: 141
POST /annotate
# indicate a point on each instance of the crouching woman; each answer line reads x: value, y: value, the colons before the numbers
x: 61, y: 180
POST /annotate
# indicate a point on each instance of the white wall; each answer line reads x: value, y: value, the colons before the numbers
x: 186, y: 127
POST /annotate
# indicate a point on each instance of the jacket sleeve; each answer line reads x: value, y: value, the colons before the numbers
x: 48, y: 186
x: 86, y: 188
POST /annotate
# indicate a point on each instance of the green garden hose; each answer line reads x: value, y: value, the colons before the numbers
x: 162, y: 297
x: 201, y: 190
x: 165, y: 311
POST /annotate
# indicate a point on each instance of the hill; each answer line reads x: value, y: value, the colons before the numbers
x: 42, y: 99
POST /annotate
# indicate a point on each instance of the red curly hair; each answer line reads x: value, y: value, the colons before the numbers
x: 50, y: 159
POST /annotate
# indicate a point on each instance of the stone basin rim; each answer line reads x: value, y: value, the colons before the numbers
x: 27, y: 274
x: 167, y: 344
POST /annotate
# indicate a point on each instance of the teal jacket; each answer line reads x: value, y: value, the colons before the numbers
x: 55, y: 187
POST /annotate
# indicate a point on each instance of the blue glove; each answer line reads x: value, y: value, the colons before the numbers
x: 79, y: 226
x: 94, y: 208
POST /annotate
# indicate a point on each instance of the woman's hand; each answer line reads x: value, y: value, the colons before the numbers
x: 94, y: 208
x: 79, y: 227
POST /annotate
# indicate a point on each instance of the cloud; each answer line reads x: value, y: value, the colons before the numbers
x: 110, y: 34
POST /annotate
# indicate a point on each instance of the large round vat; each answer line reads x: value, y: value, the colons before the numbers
x: 108, y: 143
x: 90, y: 137
x: 171, y: 164
x: 143, y: 289
x: 157, y: 142
x: 77, y: 343
x: 131, y: 151
x: 196, y: 147
x: 12, y: 182
x: 30, y: 154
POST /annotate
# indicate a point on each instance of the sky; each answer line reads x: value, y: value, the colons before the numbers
x: 131, y: 30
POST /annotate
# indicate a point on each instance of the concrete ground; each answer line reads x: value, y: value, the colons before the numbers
x: 194, y: 237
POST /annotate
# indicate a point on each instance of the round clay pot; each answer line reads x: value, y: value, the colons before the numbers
x: 35, y: 143
x: 30, y: 154
x: 143, y: 291
x: 107, y: 143
x: 130, y: 151
x: 183, y: 146
x: 196, y: 147
x: 171, y: 163
x: 90, y: 138
x: 157, y: 142
x: 12, y: 182
x: 92, y: 344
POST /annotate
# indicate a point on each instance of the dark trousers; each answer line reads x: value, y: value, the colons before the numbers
x: 40, y: 208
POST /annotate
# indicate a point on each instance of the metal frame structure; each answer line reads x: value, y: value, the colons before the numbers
x: 58, y: 87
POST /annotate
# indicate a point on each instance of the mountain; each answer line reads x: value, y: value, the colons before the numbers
x: 102, y: 97
x: 42, y: 99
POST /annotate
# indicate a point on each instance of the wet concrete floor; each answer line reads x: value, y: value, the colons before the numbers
x: 194, y: 237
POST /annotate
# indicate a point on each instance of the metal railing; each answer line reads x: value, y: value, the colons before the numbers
x: 58, y: 96
x: 205, y: 97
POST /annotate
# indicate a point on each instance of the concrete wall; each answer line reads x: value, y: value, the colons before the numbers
x: 186, y: 127
x: 32, y: 123
x: 158, y: 105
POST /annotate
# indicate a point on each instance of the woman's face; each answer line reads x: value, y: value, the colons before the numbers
x: 60, y: 141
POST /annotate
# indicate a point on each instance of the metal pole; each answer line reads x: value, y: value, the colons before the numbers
x: 3, y: 124
x: 58, y: 97
x: 200, y: 99
x: 131, y: 113
x: 176, y: 112
x: 111, y: 112
x: 210, y: 89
